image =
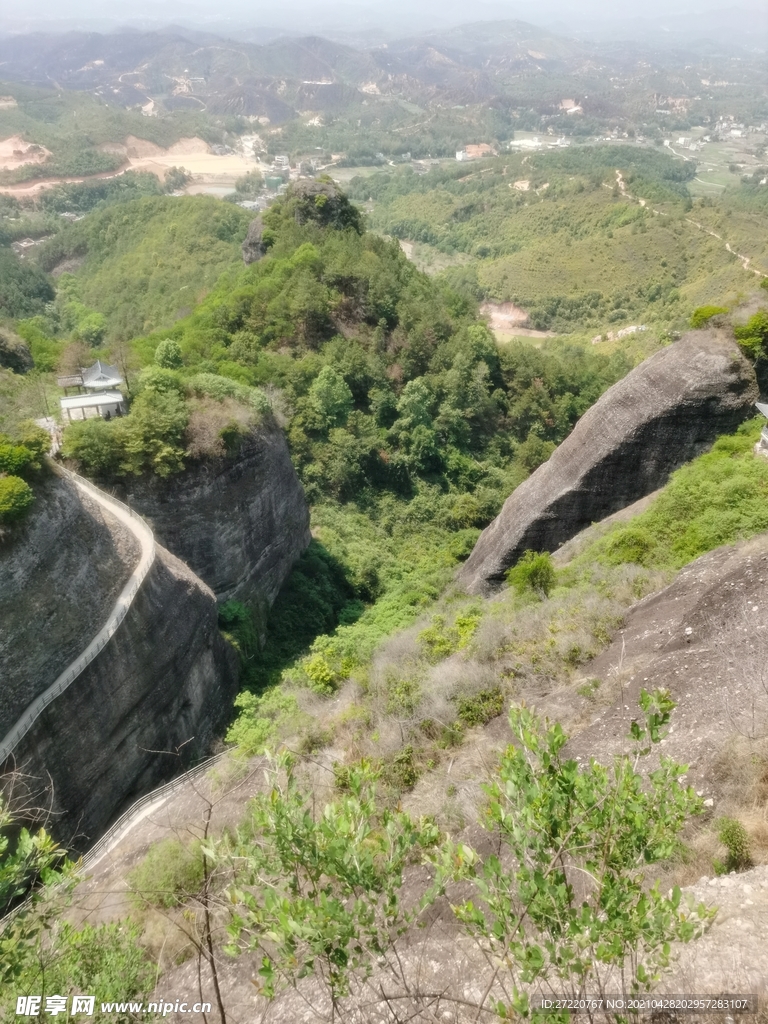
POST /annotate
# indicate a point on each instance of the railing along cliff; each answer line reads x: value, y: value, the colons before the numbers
x: 141, y: 808
x: 146, y: 539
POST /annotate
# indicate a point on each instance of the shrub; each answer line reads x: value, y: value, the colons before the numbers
x: 212, y: 385
x: 701, y: 316
x: 13, y: 457
x: 170, y: 872
x: 753, y: 335
x: 262, y: 719
x: 440, y: 641
x: 402, y: 771
x: 632, y: 544
x: 161, y: 379
x: 15, y: 499
x: 534, y: 572
x: 481, y: 707
x: 96, y: 445
x: 735, y: 839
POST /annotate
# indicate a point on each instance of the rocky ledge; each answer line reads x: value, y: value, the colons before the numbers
x: 664, y: 413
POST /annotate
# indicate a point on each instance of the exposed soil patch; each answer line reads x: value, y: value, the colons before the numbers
x: 508, y: 320
x: 15, y: 153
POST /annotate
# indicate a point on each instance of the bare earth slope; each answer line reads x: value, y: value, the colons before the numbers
x: 665, y: 412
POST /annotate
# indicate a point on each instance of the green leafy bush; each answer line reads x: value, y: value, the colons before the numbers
x: 440, y: 641
x: 735, y: 839
x: 535, y: 571
x: 753, y: 335
x: 170, y: 872
x: 481, y: 707
x: 13, y: 457
x: 701, y: 316
x: 557, y: 820
x: 15, y: 499
x: 630, y: 544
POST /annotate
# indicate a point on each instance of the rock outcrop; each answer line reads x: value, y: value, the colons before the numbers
x: 319, y: 202
x: 254, y: 247
x: 240, y: 523
x: 662, y: 414
x: 705, y: 639
x: 146, y: 708
x: 14, y: 353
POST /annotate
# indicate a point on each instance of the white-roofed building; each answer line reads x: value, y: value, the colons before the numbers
x: 97, y: 394
x: 105, y: 404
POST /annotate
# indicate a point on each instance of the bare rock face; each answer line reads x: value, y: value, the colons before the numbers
x: 58, y: 580
x: 664, y: 413
x: 254, y: 247
x: 240, y: 523
x: 145, y: 709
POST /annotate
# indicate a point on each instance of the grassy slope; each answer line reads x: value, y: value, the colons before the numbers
x: 574, y: 236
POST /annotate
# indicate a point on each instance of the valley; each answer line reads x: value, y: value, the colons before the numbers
x: 383, y: 518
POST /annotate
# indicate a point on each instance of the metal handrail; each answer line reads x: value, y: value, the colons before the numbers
x: 105, y: 634
x: 101, y: 846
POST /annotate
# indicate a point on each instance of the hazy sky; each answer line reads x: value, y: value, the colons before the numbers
x: 394, y: 17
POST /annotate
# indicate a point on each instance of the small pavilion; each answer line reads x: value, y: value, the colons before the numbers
x: 96, y: 395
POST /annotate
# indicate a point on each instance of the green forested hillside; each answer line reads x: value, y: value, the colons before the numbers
x: 73, y: 125
x: 407, y: 424
x: 148, y: 262
x: 556, y: 234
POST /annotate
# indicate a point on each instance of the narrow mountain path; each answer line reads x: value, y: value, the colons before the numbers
x: 744, y: 260
x: 146, y: 539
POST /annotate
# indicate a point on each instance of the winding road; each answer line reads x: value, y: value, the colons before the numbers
x: 146, y: 539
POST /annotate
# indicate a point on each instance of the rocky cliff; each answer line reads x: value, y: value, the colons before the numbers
x: 240, y: 523
x: 662, y: 414
x: 146, y: 706
x: 58, y: 580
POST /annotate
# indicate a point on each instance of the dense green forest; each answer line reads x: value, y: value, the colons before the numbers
x: 144, y: 264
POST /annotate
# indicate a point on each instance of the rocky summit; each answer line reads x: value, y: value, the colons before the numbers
x: 665, y: 412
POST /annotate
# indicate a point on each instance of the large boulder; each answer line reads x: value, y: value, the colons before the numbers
x: 664, y: 413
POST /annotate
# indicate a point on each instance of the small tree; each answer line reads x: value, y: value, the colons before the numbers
x: 319, y: 894
x: 31, y: 859
x: 330, y: 397
x: 168, y: 354
x: 564, y: 902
